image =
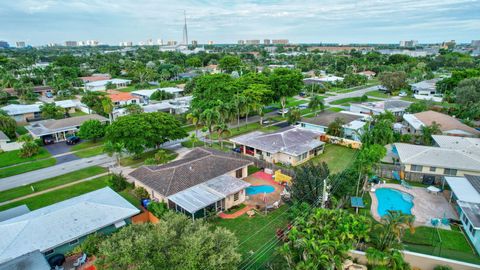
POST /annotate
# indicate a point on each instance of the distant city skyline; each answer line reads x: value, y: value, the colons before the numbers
x: 39, y: 22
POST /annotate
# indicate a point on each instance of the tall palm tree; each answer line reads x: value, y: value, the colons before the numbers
x: 316, y: 102
x: 294, y: 116
x: 108, y: 108
x: 194, y: 118
x: 239, y: 102
x: 221, y: 129
x: 388, y: 234
x: 209, y: 118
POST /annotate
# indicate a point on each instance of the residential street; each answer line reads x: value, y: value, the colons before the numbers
x: 49, y: 172
x: 357, y: 93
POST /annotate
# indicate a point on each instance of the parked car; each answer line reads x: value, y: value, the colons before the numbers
x: 48, y: 140
x: 73, y: 140
x: 49, y: 95
x: 302, y: 106
x: 238, y: 150
x: 302, y: 94
x: 281, y: 111
x: 403, y: 94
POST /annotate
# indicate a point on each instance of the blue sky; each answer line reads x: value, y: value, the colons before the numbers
x: 111, y: 21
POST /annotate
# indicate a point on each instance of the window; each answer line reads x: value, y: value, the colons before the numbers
x: 302, y: 156
x: 416, y: 168
x: 432, y: 169
x: 452, y: 172
x: 239, y: 173
x: 48, y: 252
x: 471, y: 229
x: 464, y: 218
x: 235, y: 196
x: 268, y: 154
x: 302, y: 124
x: 74, y: 242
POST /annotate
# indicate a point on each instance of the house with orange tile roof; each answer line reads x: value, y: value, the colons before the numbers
x: 123, y: 99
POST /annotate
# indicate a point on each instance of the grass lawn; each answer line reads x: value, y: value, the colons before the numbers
x: 128, y: 195
x: 376, y: 93
x: 244, y: 227
x: 50, y: 183
x: 190, y: 128
x: 344, y: 101
x: 89, y: 152
x: 13, y: 157
x: 337, y: 157
x: 335, y: 109
x: 21, y: 130
x: 86, y: 144
x: 27, y: 167
x: 78, y: 113
x: 240, y: 130
x: 60, y: 194
x: 129, y: 161
x: 132, y: 88
x: 454, y: 244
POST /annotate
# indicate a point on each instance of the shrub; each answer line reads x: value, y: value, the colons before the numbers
x: 158, y: 209
x: 117, y: 182
x: 29, y: 149
x: 442, y: 267
x: 141, y: 193
x: 89, y: 245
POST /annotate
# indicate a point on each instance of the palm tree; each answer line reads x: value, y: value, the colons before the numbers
x: 428, y: 131
x: 193, y: 139
x: 239, y: 102
x: 388, y: 234
x: 335, y: 128
x: 114, y: 149
x: 108, y: 108
x: 209, y: 117
x: 316, y: 102
x: 294, y: 116
x: 221, y: 129
x: 194, y: 118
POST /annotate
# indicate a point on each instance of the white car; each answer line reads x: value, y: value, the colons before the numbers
x: 403, y: 94
x: 282, y: 111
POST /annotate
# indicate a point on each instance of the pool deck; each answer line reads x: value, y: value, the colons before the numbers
x: 257, y: 199
x: 426, y: 205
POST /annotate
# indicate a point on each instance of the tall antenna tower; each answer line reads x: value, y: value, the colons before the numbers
x: 185, y: 31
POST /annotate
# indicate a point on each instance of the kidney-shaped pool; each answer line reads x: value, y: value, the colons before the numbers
x: 392, y: 199
x: 252, y: 190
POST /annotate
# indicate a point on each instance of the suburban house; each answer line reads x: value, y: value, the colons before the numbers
x: 7, y: 145
x: 465, y: 194
x: 426, y: 90
x: 40, y: 90
x: 147, y: 93
x: 31, y: 112
x: 95, y: 78
x: 397, y: 107
x: 58, y: 130
x: 367, y: 73
x: 322, y: 80
x: 448, y: 125
x: 437, y: 161
x: 122, y: 99
x: 101, y: 85
x: 58, y: 228
x: 291, y: 145
x: 203, y: 181
x: 352, y: 127
x: 30, y: 261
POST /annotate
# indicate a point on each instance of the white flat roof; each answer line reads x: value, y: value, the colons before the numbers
x: 16, y: 109
x: 149, y: 92
x: 104, y: 82
x: 413, y: 121
x: 463, y: 189
x: 63, y: 222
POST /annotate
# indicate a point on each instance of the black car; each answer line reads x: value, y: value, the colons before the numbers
x: 73, y: 140
x: 48, y: 140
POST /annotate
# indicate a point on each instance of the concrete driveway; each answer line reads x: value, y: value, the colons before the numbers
x: 58, y: 150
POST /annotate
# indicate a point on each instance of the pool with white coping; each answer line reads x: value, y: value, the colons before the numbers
x: 390, y: 199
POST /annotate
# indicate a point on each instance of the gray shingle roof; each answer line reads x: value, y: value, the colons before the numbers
x: 196, y: 167
x: 51, y: 125
x: 472, y: 211
x: 474, y: 181
x: 291, y: 140
x: 326, y: 117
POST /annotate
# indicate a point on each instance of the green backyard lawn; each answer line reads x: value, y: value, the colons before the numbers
x: 59, y: 195
x: 376, y: 93
x: 50, y: 183
x: 337, y: 157
x: 27, y: 167
x: 253, y: 233
x: 13, y: 157
x: 86, y: 144
x: 345, y: 101
x: 129, y: 161
x: 453, y: 244
x: 90, y: 152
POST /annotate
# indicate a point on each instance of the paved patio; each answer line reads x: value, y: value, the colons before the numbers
x: 426, y: 205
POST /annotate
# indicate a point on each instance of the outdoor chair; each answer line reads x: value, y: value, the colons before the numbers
x: 81, y: 260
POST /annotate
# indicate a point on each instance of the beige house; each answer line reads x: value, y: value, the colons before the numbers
x: 437, y: 161
x: 448, y: 125
x: 203, y: 181
x: 290, y: 146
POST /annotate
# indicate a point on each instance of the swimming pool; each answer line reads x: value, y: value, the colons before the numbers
x: 392, y: 199
x: 252, y: 190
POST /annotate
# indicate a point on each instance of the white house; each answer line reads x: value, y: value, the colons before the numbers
x: 147, y: 93
x: 427, y: 90
x: 102, y: 85
x: 397, y: 107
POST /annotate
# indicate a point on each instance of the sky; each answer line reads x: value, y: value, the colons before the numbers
x: 40, y: 22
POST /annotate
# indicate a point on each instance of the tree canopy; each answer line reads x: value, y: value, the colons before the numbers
x: 91, y: 130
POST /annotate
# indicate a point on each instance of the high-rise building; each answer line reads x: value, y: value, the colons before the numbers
x: 149, y: 42
x: 71, y: 43
x: 266, y: 42
x: 20, y: 44
x: 252, y: 41
x: 185, y: 30
x: 408, y: 43
x: 4, y: 44
x: 91, y: 43
x: 171, y: 43
x: 475, y: 43
x: 126, y: 44
x: 160, y: 42
x: 210, y: 42
x: 194, y: 43
x: 449, y: 44
x: 280, y: 41
x: 241, y: 42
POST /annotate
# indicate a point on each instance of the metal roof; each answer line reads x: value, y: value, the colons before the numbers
x: 30, y: 261
x: 463, y: 189
x: 472, y: 211
x: 63, y: 222
x: 105, y: 82
x: 17, y: 109
x: 14, y: 212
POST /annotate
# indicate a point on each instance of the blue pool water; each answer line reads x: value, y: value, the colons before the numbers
x: 252, y: 190
x: 392, y: 199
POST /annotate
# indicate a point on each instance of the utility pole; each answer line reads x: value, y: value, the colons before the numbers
x: 324, y: 193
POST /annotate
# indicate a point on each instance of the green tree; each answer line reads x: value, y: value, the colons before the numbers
x: 211, y: 90
x: 419, y: 106
x: 117, y: 182
x: 221, y: 129
x: 3, y: 97
x: 256, y: 97
x: 93, y: 100
x: 8, y: 126
x: 230, y: 63
x: 194, y: 118
x: 158, y: 209
x: 133, y: 109
x: 316, y: 103
x: 52, y: 111
x: 468, y: 91
x: 293, y: 116
x: 107, y: 107
x: 368, y: 157
x: 285, y: 83
x: 209, y: 118
x: 388, y: 234
x: 161, y: 95
x: 137, y: 132
x: 335, y: 128
x: 29, y: 148
x: 174, y: 243
x: 194, y: 62
x: 91, y: 130
x: 428, y: 131
x: 323, y: 239
x: 393, y: 81
x: 309, y: 182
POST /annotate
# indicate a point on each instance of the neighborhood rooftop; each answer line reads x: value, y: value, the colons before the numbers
x: 437, y: 157
x: 196, y: 167
x: 472, y: 211
x: 16, y: 109
x: 447, y: 123
x: 466, y: 188
x: 63, y: 222
x: 290, y: 140
x: 51, y: 125
x: 326, y: 117
x: 105, y: 82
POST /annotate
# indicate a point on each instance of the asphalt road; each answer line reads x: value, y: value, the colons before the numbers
x: 357, y: 93
x: 49, y: 172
